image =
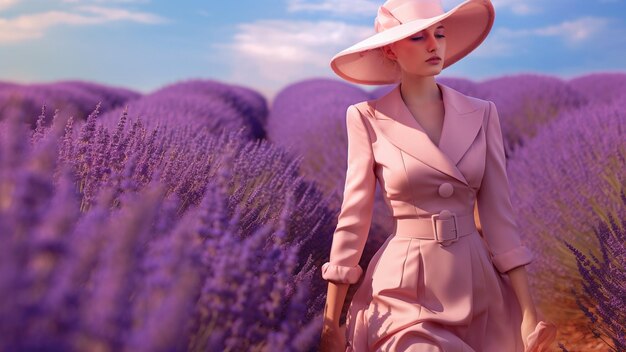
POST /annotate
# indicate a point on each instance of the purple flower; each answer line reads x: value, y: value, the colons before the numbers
x: 604, y: 281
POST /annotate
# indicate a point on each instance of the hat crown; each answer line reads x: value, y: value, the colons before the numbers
x: 395, y: 12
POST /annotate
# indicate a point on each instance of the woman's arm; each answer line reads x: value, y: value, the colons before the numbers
x: 354, y: 219
x: 496, y: 213
x: 336, y: 296
x: 519, y: 281
x: 353, y: 224
x: 333, y: 337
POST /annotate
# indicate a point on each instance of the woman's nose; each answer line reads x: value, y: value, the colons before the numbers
x: 432, y: 42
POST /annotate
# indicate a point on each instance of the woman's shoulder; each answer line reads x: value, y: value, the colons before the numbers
x: 367, y: 108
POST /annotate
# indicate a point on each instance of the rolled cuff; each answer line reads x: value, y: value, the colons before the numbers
x: 341, y: 274
x: 513, y: 258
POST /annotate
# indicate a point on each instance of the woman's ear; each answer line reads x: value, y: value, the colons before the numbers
x: 388, y: 52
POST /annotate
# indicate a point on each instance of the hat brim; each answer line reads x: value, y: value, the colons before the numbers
x: 467, y: 25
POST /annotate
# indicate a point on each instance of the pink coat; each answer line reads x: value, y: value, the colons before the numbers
x: 417, y: 281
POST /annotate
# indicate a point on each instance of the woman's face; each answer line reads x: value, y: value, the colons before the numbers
x: 412, y: 52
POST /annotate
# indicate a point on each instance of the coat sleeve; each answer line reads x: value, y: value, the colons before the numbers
x: 355, y: 216
x: 497, y: 217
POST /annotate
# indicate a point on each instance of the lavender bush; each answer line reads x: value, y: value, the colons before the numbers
x: 109, y: 96
x: 181, y: 111
x: 526, y: 102
x: 236, y: 321
x: 5, y: 85
x: 308, y: 118
x: 138, y: 239
x: 71, y: 98
x: 214, y: 106
x: 604, y: 282
x: 562, y: 180
x: 187, y: 160
x: 600, y: 87
x: 248, y: 103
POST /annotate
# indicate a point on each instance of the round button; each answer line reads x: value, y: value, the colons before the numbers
x: 446, y: 190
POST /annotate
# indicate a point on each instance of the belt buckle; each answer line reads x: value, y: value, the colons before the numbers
x: 436, y: 230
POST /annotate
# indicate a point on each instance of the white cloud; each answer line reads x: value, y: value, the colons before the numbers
x: 32, y: 26
x: 296, y: 41
x: 572, y: 32
x: 576, y: 31
x: 503, y: 42
x: 340, y: 7
x: 5, y: 4
x: 518, y: 7
x: 271, y: 53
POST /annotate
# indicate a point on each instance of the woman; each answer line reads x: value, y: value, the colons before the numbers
x: 436, y: 283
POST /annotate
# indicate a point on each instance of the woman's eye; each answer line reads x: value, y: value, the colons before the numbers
x: 436, y: 35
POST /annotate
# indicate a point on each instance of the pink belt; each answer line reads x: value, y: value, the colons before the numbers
x: 445, y: 227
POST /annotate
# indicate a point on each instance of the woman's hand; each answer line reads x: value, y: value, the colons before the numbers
x: 333, y: 338
x: 543, y: 333
x: 529, y: 322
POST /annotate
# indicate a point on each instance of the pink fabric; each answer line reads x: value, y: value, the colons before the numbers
x: 511, y: 258
x: 415, y: 294
x: 341, y: 274
x: 402, y: 11
x: 385, y: 20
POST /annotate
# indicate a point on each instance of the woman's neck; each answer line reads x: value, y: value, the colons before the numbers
x: 419, y: 90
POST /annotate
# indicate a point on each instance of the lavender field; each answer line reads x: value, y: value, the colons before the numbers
x: 196, y: 217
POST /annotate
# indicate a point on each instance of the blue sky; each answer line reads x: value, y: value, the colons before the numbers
x: 265, y: 45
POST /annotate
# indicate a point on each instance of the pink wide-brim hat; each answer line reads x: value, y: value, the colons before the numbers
x: 466, y: 27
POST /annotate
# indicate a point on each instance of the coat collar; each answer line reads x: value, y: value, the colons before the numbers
x: 462, y: 120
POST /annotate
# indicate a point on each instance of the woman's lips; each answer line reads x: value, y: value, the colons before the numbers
x: 433, y: 61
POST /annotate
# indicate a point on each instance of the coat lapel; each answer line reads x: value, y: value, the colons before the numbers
x: 462, y: 120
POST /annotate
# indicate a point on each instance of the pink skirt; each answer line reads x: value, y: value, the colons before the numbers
x: 417, y: 295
